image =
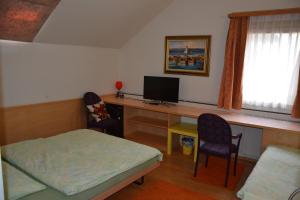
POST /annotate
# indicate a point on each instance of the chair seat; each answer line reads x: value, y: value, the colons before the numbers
x: 218, y: 149
x: 107, y: 123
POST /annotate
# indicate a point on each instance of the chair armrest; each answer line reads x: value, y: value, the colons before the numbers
x: 238, y: 136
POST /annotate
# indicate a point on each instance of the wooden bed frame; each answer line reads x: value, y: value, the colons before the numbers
x: 126, y: 182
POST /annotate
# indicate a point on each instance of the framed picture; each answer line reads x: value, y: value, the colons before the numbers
x: 187, y: 55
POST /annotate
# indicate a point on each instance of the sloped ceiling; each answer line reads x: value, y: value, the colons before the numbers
x: 21, y: 20
x: 103, y: 23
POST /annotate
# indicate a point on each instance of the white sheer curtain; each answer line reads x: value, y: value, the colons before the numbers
x: 272, y: 61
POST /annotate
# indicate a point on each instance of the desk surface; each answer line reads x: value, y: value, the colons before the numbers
x: 194, y: 112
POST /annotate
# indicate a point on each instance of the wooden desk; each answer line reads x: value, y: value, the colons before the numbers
x: 141, y: 117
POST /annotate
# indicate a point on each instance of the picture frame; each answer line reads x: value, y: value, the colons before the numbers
x: 187, y: 55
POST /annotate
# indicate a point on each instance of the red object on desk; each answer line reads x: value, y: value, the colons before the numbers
x: 119, y: 85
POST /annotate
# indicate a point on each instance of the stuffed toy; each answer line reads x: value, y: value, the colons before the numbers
x: 98, y: 111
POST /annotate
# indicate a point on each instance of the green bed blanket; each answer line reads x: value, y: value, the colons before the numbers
x: 77, y: 160
x: 275, y: 176
x: 17, y: 184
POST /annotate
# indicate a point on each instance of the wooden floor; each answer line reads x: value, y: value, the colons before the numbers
x: 178, y: 169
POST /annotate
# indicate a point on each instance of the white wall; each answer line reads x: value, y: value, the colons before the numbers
x: 144, y: 53
x: 33, y: 72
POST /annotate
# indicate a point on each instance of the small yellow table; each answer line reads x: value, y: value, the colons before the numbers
x: 186, y: 129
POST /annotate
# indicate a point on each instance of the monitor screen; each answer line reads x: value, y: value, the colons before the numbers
x: 161, y: 88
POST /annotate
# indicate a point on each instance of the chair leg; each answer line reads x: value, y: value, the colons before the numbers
x: 227, y: 171
x: 195, y: 148
x: 206, y: 160
x: 235, y: 163
x: 140, y: 181
x: 169, y: 146
x: 196, y: 164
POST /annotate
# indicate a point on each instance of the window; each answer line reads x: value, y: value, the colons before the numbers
x: 272, y: 60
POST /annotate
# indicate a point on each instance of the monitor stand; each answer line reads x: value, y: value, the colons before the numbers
x: 156, y: 102
x: 152, y: 102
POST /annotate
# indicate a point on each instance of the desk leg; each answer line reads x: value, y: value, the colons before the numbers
x: 195, y: 148
x: 169, y: 150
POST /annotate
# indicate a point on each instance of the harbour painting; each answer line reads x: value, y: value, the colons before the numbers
x: 187, y: 55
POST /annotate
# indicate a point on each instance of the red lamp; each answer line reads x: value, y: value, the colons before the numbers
x: 119, y: 86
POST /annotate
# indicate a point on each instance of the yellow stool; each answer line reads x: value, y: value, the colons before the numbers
x: 186, y: 129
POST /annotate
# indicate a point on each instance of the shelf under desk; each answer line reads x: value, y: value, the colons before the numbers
x: 149, y: 139
x: 148, y: 121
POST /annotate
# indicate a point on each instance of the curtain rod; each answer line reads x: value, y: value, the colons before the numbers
x: 265, y: 12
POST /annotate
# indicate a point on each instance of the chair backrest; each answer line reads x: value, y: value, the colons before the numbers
x: 91, y: 98
x: 214, y: 129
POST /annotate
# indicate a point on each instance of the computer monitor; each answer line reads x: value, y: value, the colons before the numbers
x: 164, y: 89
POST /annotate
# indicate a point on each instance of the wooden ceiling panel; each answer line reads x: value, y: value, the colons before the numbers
x: 20, y: 20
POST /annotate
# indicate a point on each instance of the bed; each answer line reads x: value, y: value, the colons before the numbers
x: 81, y: 164
x: 275, y: 176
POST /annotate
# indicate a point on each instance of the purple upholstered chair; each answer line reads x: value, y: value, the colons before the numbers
x: 110, y: 125
x: 216, y: 134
